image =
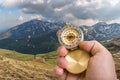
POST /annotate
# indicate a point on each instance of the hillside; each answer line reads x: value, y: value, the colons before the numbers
x: 25, y: 67
x: 113, y: 44
x: 18, y: 70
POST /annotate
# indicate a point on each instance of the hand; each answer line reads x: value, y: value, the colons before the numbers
x: 100, y: 67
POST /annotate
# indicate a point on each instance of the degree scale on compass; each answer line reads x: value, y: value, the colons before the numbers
x: 70, y: 36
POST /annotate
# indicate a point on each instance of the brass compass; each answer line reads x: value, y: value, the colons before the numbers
x: 70, y: 37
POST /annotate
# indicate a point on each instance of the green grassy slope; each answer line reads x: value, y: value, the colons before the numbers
x: 16, y: 55
x: 48, y: 57
x: 14, y: 65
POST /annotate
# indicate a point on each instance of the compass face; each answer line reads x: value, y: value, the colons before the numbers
x: 70, y: 36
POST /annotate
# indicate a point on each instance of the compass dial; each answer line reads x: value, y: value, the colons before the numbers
x: 70, y: 36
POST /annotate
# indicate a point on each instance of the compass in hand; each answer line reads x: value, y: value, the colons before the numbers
x: 70, y: 37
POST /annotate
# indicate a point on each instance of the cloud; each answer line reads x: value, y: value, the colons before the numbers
x: 21, y: 19
x: 69, y: 10
x: 9, y: 3
x: 1, y: 1
x: 36, y: 17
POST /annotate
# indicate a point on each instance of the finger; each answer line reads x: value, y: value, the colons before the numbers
x: 64, y: 76
x: 62, y: 51
x: 92, y: 47
x: 58, y: 71
x: 62, y: 62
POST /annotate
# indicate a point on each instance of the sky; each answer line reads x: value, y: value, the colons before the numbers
x: 77, y: 12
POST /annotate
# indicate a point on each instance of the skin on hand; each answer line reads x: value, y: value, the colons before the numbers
x: 100, y: 67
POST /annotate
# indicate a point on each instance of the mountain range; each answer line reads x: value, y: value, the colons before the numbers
x: 38, y: 36
x: 101, y: 31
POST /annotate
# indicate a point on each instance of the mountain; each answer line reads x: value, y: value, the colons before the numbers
x: 101, y: 31
x: 38, y: 36
x: 34, y: 37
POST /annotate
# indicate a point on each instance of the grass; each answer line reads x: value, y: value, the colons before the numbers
x: 47, y: 58
x: 26, y: 67
x: 16, y: 55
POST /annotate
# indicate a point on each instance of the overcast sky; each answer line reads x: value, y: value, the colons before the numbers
x: 78, y: 12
